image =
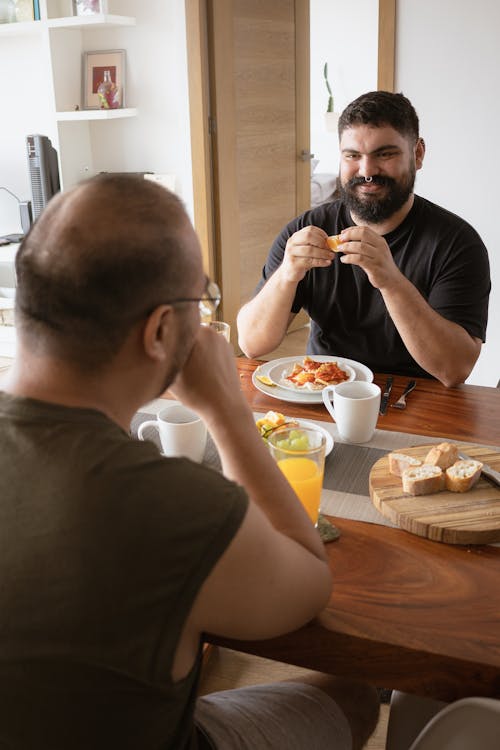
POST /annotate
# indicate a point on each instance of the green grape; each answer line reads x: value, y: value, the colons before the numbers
x: 296, y: 441
x: 300, y: 443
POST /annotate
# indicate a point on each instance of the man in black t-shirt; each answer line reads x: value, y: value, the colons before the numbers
x: 407, y: 290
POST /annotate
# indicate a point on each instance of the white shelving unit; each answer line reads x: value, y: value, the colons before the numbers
x: 60, y: 40
x: 95, y: 114
x: 98, y: 21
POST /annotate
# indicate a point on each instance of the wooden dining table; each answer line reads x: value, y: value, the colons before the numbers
x: 405, y: 612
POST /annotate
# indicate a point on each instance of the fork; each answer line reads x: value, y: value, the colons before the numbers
x: 401, y: 402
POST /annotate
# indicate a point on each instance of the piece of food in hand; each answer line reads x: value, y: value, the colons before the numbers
x: 399, y: 462
x: 271, y: 421
x: 333, y: 242
x: 463, y: 475
x: 423, y: 480
x: 442, y: 455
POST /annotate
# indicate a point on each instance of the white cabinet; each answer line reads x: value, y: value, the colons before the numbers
x: 47, y: 92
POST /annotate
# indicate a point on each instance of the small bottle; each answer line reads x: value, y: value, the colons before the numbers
x: 108, y: 93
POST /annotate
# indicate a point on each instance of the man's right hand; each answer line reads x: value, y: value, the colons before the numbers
x: 304, y: 250
x: 263, y: 322
x: 209, y: 382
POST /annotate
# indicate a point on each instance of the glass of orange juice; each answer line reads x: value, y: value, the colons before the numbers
x: 300, y: 454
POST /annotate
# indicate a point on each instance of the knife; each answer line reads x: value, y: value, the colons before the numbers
x: 487, y: 470
x: 385, y: 396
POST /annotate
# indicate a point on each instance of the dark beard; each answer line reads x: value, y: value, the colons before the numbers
x: 374, y: 210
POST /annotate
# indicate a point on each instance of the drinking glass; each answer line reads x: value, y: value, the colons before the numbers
x: 300, y: 454
x: 220, y: 327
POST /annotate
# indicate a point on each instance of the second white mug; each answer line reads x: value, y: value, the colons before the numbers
x: 182, y: 431
x: 354, y: 409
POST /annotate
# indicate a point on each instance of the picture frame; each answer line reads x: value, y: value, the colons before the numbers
x: 89, y: 7
x: 94, y: 65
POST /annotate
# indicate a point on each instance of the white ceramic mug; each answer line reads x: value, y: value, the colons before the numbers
x: 355, y: 409
x: 182, y: 432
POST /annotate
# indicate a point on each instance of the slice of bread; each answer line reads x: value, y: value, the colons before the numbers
x: 423, y: 480
x: 442, y: 455
x: 463, y: 475
x: 399, y: 462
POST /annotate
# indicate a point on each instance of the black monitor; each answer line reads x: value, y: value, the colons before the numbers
x: 43, y: 170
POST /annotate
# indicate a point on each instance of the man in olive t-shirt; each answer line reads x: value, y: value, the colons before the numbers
x: 114, y: 560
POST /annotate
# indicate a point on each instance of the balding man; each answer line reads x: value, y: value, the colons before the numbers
x: 114, y: 560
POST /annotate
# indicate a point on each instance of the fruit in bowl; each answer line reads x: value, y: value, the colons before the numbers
x: 271, y: 421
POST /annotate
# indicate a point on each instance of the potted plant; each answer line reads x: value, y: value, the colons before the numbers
x: 331, y: 117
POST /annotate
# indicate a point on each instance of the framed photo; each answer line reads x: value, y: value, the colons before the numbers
x: 95, y: 64
x: 89, y: 7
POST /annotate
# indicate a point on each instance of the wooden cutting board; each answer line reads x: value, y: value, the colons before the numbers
x: 471, y: 517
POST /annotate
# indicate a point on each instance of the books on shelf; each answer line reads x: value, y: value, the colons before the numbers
x: 18, y: 11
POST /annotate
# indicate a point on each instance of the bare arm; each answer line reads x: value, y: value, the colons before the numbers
x: 263, y: 322
x: 273, y: 577
x: 217, y: 398
x: 441, y: 347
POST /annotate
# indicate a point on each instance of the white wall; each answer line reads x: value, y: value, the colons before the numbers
x: 158, y: 139
x: 343, y: 34
x: 448, y: 64
x: 25, y: 107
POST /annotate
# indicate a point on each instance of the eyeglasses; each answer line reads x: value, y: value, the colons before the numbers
x: 208, y: 302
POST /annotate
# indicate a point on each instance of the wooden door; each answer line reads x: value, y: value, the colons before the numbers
x: 249, y: 90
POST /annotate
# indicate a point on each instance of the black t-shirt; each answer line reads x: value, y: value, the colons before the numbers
x: 440, y: 253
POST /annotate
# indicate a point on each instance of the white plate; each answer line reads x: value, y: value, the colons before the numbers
x: 362, y: 372
x: 278, y: 372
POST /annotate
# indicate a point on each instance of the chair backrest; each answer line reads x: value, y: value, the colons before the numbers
x: 468, y: 724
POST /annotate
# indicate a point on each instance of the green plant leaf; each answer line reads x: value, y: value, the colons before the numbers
x: 330, y: 98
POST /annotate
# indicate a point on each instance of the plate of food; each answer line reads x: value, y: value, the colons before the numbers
x: 266, y: 377
x: 273, y: 420
x: 310, y: 375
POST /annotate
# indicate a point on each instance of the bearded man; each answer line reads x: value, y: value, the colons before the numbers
x: 407, y: 290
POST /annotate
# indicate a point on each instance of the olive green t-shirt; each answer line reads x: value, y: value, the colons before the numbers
x: 104, y: 545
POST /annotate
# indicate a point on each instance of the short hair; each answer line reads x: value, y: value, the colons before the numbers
x: 99, y: 258
x: 381, y: 108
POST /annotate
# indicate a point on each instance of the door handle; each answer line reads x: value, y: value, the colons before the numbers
x: 306, y: 155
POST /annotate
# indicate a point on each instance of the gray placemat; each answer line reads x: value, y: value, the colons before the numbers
x: 347, y: 468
